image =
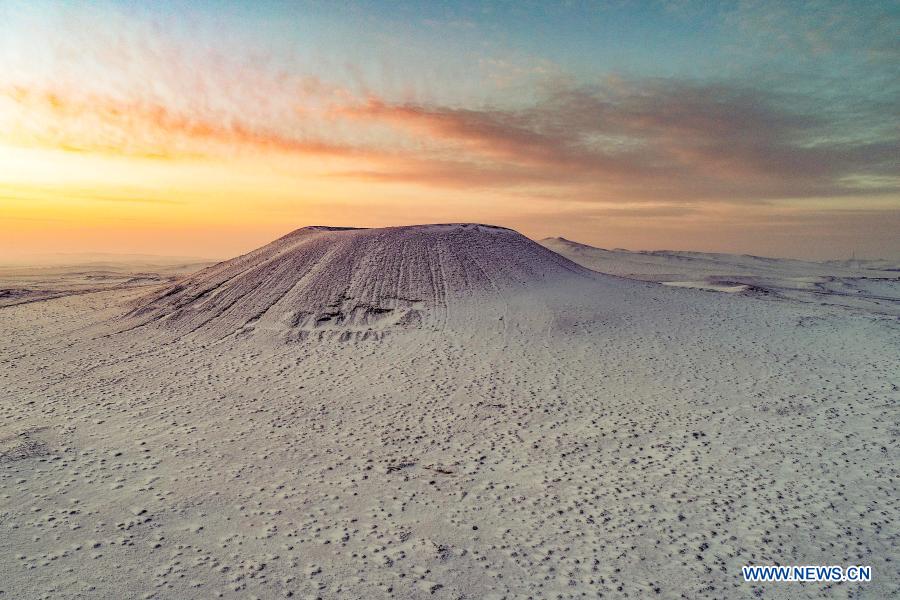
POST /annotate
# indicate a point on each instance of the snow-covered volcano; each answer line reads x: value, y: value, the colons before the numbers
x: 440, y: 412
x: 357, y: 280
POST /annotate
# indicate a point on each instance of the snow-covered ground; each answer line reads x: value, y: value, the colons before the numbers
x: 866, y: 285
x: 29, y: 283
x: 440, y: 412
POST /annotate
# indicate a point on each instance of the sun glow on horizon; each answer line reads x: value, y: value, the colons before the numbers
x: 186, y: 132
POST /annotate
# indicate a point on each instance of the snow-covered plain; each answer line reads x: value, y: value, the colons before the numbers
x: 20, y: 284
x: 867, y: 285
x: 446, y: 411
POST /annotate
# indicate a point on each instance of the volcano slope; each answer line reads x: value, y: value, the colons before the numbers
x: 357, y: 281
x: 440, y: 412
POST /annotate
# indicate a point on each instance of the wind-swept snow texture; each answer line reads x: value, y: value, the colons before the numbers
x: 356, y: 281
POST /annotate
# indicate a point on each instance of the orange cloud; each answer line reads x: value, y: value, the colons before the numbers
x: 93, y: 123
x: 653, y: 140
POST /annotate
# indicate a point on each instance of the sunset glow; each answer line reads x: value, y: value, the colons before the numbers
x: 207, y: 130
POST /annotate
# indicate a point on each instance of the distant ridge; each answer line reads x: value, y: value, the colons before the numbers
x: 652, y: 264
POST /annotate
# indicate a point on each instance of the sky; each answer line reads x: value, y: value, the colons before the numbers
x: 209, y: 128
